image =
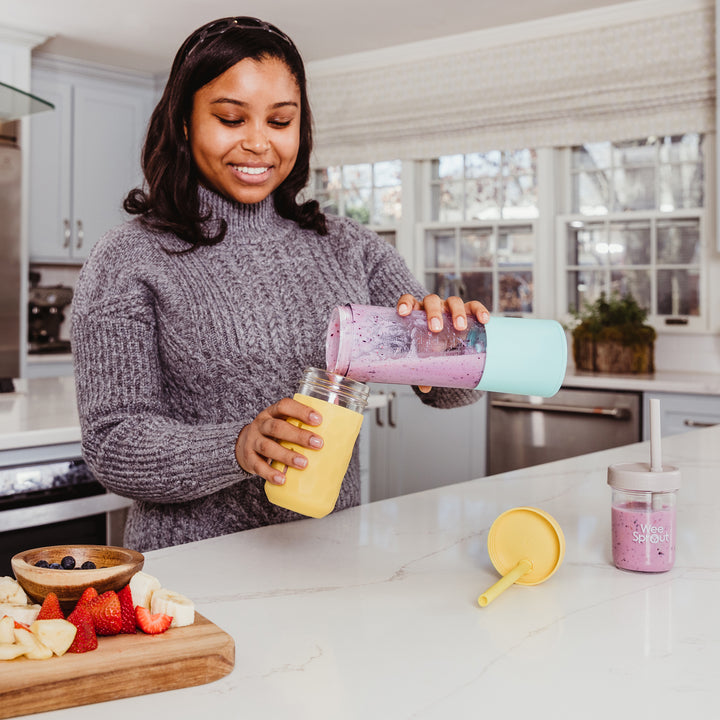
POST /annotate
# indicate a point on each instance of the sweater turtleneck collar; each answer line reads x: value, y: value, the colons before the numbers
x: 245, y: 223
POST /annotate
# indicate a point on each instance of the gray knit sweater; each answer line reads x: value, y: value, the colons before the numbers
x: 174, y: 354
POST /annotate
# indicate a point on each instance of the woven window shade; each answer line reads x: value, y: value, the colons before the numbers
x: 650, y: 77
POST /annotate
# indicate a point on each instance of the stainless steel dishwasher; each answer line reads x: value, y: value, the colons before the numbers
x: 526, y: 430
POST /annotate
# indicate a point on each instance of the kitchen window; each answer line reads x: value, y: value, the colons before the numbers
x: 481, y: 240
x: 371, y: 193
x: 637, y: 225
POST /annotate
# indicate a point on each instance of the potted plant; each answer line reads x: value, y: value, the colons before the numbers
x: 611, y: 336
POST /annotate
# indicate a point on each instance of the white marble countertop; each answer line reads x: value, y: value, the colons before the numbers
x: 41, y: 411
x: 694, y: 383
x: 372, y: 612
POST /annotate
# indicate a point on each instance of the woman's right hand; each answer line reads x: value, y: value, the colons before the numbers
x: 258, y: 443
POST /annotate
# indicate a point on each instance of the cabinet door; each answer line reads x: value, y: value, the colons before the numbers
x: 108, y: 131
x: 49, y: 173
x: 681, y: 413
x: 415, y: 447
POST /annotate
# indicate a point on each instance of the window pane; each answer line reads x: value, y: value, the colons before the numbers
x: 444, y: 284
x: 515, y: 291
x: 477, y: 286
x: 482, y: 199
x: 681, y: 186
x: 440, y: 249
x: 329, y: 203
x: 629, y: 243
x: 678, y: 242
x: 520, y: 197
x: 634, y: 189
x: 590, y: 193
x: 591, y: 243
x: 592, y: 156
x: 516, y: 247
x: 634, y: 152
x: 388, y: 236
x: 482, y: 164
x: 388, y: 205
x: 636, y: 282
x: 681, y: 148
x: 678, y: 292
x: 476, y: 248
x: 357, y: 204
x: 449, y: 201
x: 328, y: 178
x: 519, y: 162
x: 388, y: 173
x: 357, y: 176
x: 584, y: 287
x: 448, y: 167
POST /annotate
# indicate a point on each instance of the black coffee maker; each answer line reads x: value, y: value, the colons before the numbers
x: 46, y: 307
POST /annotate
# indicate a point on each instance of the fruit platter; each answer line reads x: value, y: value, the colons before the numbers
x: 111, y: 644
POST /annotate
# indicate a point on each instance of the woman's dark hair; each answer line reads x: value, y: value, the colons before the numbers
x: 169, y: 200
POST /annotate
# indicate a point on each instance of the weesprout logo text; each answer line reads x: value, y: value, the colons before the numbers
x: 652, y: 534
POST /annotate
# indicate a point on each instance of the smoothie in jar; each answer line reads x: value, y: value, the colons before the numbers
x: 643, y: 536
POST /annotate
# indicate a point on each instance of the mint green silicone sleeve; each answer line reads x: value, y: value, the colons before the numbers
x: 524, y: 356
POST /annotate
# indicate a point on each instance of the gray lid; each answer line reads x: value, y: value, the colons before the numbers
x: 639, y: 477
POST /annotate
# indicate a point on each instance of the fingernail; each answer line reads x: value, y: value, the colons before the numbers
x: 461, y: 323
x: 316, y: 442
x: 484, y: 317
x: 279, y: 479
x: 435, y: 325
x: 300, y: 462
x: 403, y: 308
x: 315, y: 419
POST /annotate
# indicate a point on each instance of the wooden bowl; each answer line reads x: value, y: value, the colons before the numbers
x: 115, y: 567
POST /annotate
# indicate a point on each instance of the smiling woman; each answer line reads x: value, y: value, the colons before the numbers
x: 193, y: 322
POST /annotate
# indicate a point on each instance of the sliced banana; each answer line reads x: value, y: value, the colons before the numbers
x: 25, y: 614
x: 169, y: 602
x: 142, y: 587
x: 11, y: 592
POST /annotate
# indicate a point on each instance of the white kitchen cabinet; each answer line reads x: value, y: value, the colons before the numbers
x: 84, y: 158
x: 415, y: 447
x: 680, y: 413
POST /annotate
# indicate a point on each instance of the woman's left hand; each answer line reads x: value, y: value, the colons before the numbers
x: 436, y: 308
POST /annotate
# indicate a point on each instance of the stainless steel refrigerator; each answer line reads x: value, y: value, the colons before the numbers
x: 10, y: 259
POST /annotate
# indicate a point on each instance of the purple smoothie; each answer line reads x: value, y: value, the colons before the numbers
x: 375, y: 344
x: 643, y: 537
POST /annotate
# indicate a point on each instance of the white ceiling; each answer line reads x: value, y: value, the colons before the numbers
x: 144, y: 34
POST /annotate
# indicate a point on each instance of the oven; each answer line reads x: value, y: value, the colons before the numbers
x: 54, y: 501
x: 526, y: 430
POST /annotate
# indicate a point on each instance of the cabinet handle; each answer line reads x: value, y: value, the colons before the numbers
x: 617, y: 413
x: 67, y: 233
x: 391, y: 406
x: 378, y: 413
x: 698, y: 424
x: 80, y: 234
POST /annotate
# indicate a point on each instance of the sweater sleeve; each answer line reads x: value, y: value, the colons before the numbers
x: 389, y: 278
x: 130, y: 441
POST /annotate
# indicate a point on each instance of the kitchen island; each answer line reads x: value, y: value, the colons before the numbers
x: 372, y: 612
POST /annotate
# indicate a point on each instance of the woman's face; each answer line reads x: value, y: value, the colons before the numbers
x: 245, y: 129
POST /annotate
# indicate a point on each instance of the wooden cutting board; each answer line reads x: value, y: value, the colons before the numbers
x: 122, y: 666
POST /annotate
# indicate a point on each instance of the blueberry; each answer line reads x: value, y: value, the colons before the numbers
x: 88, y: 565
x: 55, y: 566
x: 42, y: 563
x: 68, y: 562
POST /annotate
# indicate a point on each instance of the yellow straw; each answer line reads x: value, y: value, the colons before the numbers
x: 522, y: 568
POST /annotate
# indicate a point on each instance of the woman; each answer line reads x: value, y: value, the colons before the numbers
x: 193, y: 322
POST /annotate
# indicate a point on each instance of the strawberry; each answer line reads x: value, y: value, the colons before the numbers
x: 149, y: 623
x: 90, y: 593
x: 105, y: 613
x: 85, y: 638
x: 127, y: 611
x: 50, y: 609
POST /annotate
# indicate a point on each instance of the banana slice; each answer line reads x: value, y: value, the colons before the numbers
x: 169, y: 602
x: 11, y: 592
x: 25, y: 614
x: 142, y: 587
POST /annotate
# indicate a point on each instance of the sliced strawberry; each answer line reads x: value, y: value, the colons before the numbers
x: 127, y: 610
x: 89, y: 594
x: 20, y: 625
x: 106, y: 613
x: 85, y: 638
x: 151, y: 624
x: 50, y: 609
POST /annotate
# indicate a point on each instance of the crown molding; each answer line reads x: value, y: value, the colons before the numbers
x: 621, y: 13
x: 93, y: 71
x: 18, y: 36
